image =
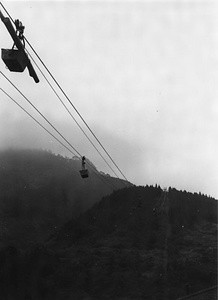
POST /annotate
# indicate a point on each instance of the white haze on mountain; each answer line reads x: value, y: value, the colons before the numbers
x: 143, y: 76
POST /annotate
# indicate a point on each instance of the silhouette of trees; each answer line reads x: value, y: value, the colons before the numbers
x: 133, y: 244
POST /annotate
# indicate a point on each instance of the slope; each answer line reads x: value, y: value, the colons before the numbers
x: 142, y: 243
x: 39, y: 191
x: 137, y: 243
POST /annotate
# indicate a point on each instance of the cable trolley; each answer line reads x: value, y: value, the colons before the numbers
x: 17, y: 59
x: 84, y: 172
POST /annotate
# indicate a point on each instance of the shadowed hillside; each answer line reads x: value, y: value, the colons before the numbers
x: 143, y: 243
x: 137, y: 243
x: 39, y: 191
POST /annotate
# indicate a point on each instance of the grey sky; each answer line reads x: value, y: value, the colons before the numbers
x: 142, y: 74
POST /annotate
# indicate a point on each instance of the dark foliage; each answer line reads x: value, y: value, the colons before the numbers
x: 39, y: 191
x: 137, y: 243
x: 142, y: 243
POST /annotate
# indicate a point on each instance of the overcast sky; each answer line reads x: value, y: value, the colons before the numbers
x: 142, y: 74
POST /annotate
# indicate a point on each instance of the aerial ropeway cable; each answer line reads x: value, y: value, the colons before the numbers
x: 20, y: 37
x: 39, y: 112
x: 43, y: 127
x: 46, y: 119
x: 76, y: 110
x: 77, y: 123
x: 100, y: 176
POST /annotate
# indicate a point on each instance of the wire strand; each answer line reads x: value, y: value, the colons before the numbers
x: 71, y: 114
x: 95, y: 171
x: 7, y: 12
x: 40, y: 113
x: 74, y: 108
x: 37, y: 121
x: 64, y: 105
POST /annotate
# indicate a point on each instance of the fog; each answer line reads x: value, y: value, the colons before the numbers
x: 142, y: 74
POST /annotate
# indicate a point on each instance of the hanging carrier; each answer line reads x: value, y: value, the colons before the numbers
x: 15, y: 59
x: 84, y: 172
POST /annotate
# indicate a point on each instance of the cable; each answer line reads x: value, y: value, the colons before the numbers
x: 37, y: 121
x: 71, y: 114
x: 95, y: 171
x: 64, y: 106
x: 7, y: 12
x: 73, y: 107
x: 60, y: 98
x: 40, y: 113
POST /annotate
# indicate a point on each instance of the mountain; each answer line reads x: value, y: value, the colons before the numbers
x: 142, y: 243
x: 137, y: 243
x: 39, y: 191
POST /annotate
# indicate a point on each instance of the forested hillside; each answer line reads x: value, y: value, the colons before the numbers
x: 143, y: 243
x: 138, y: 243
x: 39, y: 191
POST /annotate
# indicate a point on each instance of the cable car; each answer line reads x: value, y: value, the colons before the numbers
x: 15, y: 60
x: 84, y: 172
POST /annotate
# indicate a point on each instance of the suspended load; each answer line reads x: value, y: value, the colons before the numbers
x: 16, y: 59
x: 84, y: 172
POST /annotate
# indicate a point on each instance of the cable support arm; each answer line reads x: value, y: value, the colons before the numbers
x: 19, y: 45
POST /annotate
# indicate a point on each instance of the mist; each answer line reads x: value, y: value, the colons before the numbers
x: 150, y: 164
x: 141, y: 74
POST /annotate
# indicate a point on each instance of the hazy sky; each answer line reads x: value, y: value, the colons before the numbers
x: 142, y: 74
